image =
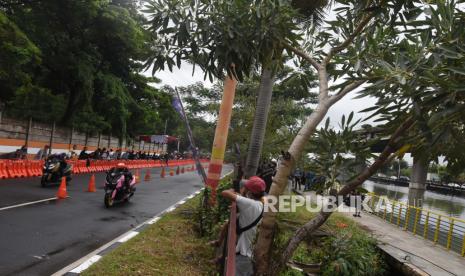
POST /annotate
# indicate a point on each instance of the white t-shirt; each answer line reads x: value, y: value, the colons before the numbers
x: 249, y: 211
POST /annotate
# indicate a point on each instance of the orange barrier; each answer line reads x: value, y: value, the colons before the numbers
x: 3, y: 170
x: 34, y: 168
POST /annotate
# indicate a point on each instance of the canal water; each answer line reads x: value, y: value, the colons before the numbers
x: 445, y: 204
x: 434, y: 226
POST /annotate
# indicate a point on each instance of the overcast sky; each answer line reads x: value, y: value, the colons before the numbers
x: 184, y: 77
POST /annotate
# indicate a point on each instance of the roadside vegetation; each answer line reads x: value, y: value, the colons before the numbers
x: 174, y: 245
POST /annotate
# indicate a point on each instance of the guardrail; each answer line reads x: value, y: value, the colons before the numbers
x: 446, y: 231
x: 30, y: 168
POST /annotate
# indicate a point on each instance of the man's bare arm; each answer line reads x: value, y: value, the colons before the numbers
x: 229, y: 194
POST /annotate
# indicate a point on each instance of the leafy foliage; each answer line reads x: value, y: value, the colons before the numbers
x: 351, y: 254
x: 18, y: 58
x: 79, y: 63
x: 339, y: 154
x: 420, y: 74
x: 217, y: 34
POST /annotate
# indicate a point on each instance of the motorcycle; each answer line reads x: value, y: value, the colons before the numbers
x: 116, y: 190
x: 53, y: 171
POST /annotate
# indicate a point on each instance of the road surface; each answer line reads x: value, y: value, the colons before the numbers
x: 42, y: 238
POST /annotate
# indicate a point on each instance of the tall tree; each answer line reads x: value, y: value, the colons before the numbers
x: 416, y: 68
x: 79, y: 63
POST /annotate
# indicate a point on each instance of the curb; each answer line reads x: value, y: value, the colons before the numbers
x: 85, y: 262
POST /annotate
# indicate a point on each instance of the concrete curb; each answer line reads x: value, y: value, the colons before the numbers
x: 85, y: 262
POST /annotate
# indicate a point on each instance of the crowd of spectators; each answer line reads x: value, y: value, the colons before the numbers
x: 100, y: 154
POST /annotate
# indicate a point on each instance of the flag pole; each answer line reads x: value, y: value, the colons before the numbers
x: 182, y: 112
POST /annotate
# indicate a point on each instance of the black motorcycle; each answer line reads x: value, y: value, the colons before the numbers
x: 54, y: 169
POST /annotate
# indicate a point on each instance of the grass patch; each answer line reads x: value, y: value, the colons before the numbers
x: 173, y: 246
x: 169, y: 247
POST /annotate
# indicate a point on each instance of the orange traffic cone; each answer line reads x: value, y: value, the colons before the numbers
x: 182, y: 170
x: 162, y: 175
x: 61, y: 194
x: 171, y: 172
x: 91, y: 188
x: 177, y: 171
x: 192, y: 168
x: 147, y: 175
x: 137, y: 176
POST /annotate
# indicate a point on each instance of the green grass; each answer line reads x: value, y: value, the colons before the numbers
x: 169, y: 247
x: 172, y: 246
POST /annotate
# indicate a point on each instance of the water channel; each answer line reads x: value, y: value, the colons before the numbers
x: 435, y: 225
x: 445, y: 204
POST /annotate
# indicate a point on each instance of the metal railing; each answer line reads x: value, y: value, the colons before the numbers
x: 230, y: 244
x: 446, y: 231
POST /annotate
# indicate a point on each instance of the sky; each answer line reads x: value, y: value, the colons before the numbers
x: 184, y: 77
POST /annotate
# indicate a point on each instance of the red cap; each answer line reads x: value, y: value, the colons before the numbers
x: 255, y: 184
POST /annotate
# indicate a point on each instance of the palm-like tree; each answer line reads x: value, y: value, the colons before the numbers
x: 310, y: 12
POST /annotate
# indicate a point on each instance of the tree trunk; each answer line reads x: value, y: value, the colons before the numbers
x: 419, y: 173
x: 322, y: 216
x: 266, y: 230
x: 70, y: 108
x: 265, y: 92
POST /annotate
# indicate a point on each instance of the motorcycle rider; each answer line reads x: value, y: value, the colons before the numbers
x: 121, y: 168
x: 60, y: 157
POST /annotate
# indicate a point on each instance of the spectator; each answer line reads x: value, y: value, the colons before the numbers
x: 125, y: 155
x: 42, y: 153
x: 96, y: 154
x: 131, y: 155
x: 297, y: 178
x: 111, y: 155
x: 267, y: 171
x: 250, y: 207
x: 309, y: 180
x: 302, y: 179
x: 83, y: 155
x: 104, y: 154
x: 72, y: 155
x: 21, y: 153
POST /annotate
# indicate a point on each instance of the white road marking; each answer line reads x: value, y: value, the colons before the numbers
x: 85, y: 265
x: 170, y: 209
x: 129, y: 236
x: 28, y: 203
x: 154, y: 220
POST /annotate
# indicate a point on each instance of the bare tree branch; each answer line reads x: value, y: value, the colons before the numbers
x: 347, y: 89
x: 324, y: 87
x: 302, y: 54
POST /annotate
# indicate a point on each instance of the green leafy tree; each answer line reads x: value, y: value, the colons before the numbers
x: 19, y: 57
x: 399, y: 72
x: 79, y: 63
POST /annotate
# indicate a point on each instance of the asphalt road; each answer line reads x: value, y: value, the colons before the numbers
x: 42, y: 238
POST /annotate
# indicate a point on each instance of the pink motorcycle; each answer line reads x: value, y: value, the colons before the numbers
x: 119, y: 185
